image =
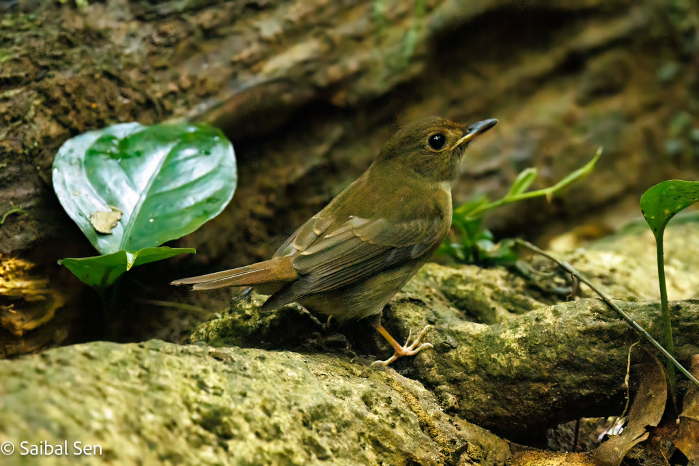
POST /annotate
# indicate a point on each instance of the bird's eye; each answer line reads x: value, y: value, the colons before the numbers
x: 437, y: 141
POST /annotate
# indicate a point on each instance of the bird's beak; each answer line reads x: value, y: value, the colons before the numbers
x: 475, y: 129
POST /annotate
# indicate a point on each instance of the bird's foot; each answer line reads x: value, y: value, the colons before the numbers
x: 410, y: 348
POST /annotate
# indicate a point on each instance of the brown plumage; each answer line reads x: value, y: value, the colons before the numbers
x: 350, y: 258
x: 277, y: 269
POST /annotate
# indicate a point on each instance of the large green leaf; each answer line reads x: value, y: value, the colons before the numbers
x: 102, y: 271
x: 130, y: 186
x: 661, y: 202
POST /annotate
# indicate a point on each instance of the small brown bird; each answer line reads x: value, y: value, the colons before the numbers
x: 349, y: 259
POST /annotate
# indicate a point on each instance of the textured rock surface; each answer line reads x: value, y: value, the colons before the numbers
x: 309, y: 90
x: 549, y: 366
x: 161, y: 403
x: 506, y: 356
x: 279, y: 388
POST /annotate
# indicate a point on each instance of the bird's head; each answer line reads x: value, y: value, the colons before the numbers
x: 432, y: 147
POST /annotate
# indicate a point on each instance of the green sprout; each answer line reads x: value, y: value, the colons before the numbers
x: 472, y: 243
x: 659, y: 204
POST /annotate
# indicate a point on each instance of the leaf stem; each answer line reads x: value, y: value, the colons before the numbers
x: 632, y: 323
x: 665, y: 318
x: 509, y: 198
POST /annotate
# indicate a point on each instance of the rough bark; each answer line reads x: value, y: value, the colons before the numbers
x: 308, y: 90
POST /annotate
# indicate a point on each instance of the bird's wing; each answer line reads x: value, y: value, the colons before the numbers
x: 356, y: 250
x: 306, y: 234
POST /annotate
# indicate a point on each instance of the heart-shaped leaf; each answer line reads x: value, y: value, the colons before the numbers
x: 102, y: 271
x: 661, y: 202
x: 130, y: 186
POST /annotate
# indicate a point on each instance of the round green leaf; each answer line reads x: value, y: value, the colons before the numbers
x: 130, y: 186
x: 661, y: 202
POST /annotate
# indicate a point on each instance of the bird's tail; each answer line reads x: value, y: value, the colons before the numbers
x: 278, y: 269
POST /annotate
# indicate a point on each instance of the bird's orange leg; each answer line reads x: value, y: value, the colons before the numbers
x: 411, y: 348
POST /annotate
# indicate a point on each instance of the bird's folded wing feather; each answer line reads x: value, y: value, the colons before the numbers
x: 358, y: 249
x: 305, y: 235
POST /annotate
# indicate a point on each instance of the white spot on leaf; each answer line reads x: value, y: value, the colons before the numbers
x: 104, y: 222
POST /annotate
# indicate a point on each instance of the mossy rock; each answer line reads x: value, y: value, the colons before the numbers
x: 160, y: 403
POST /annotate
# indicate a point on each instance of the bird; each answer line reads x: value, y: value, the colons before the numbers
x: 348, y: 260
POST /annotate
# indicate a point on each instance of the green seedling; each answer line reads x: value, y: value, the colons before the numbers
x: 659, y: 204
x: 472, y: 243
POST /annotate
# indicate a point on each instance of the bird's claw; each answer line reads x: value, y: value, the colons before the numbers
x: 410, y: 348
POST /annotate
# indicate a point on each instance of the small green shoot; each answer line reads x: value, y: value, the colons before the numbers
x: 659, y: 204
x: 130, y: 188
x: 13, y: 210
x: 518, y: 191
x: 474, y: 244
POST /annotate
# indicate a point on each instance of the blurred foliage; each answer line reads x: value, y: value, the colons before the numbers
x: 683, y: 18
x: 399, y: 59
x: 683, y: 137
x: 471, y: 243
